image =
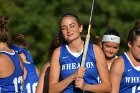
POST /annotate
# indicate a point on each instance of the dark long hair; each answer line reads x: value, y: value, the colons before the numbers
x: 53, y: 45
x: 4, y: 32
x: 20, y: 41
x: 112, y: 32
x: 132, y: 36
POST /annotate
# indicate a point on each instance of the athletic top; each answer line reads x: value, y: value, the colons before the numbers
x: 30, y: 83
x: 69, y: 64
x: 130, y: 82
x: 32, y: 78
x: 13, y: 83
x: 20, y: 50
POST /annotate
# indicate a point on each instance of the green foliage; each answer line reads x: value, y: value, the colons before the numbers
x: 38, y: 19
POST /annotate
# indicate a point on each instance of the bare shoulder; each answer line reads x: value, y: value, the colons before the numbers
x: 6, y: 62
x: 98, y: 52
x: 1, y: 57
x: 57, y: 50
x: 96, y: 48
x: 4, y: 57
x: 1, y: 61
x: 118, y: 65
x: 118, y: 62
x: 55, y: 55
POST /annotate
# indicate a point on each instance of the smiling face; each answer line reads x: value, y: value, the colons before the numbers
x: 110, y: 49
x: 70, y: 28
x: 110, y: 43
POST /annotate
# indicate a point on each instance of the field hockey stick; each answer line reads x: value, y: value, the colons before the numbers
x: 87, y: 37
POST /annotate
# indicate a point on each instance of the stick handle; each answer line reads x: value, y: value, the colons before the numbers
x: 86, y: 47
x: 87, y: 37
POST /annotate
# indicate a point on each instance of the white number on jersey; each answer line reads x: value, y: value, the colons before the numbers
x: 29, y: 87
x: 134, y: 89
x: 16, y: 81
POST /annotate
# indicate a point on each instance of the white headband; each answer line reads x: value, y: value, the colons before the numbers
x: 111, y: 38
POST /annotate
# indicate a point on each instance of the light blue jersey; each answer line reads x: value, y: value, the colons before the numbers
x: 30, y: 83
x: 69, y: 64
x: 13, y: 83
x: 130, y: 82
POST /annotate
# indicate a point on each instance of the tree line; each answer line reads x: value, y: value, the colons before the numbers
x: 38, y: 19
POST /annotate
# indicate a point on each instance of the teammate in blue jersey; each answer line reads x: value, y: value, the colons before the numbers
x: 11, y: 67
x: 66, y: 75
x: 125, y: 70
x: 110, y: 45
x: 32, y: 73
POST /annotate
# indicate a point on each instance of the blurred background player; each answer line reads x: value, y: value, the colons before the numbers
x: 11, y: 67
x: 32, y: 73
